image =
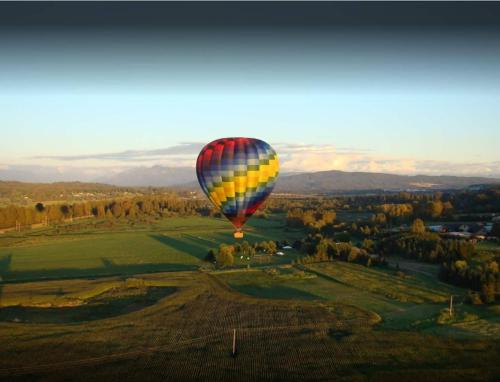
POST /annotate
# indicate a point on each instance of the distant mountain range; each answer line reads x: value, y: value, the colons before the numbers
x: 316, y: 182
x: 157, y: 176
x: 335, y: 181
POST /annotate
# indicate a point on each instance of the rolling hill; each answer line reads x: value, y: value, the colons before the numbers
x: 330, y: 181
x: 312, y: 182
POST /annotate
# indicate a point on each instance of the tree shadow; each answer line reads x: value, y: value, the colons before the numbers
x: 4, y: 268
x: 275, y: 292
x: 5, y: 263
x: 207, y: 243
x: 90, y: 311
x: 190, y: 247
x: 108, y: 269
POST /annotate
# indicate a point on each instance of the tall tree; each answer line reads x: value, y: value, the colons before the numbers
x: 418, y: 227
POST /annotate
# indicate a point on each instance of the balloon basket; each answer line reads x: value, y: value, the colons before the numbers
x: 238, y: 234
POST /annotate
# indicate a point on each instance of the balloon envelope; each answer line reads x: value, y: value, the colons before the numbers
x: 237, y: 175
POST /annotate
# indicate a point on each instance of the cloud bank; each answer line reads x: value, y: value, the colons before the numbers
x: 293, y: 158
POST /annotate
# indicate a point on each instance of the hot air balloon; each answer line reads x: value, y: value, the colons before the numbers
x: 237, y: 175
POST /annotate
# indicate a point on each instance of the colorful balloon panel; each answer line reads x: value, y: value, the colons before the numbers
x: 237, y: 175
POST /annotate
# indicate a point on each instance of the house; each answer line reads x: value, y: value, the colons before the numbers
x: 460, y: 234
x: 436, y: 228
x: 287, y: 247
x: 279, y: 254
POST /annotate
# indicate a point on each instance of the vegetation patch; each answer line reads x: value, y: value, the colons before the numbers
x: 393, y: 286
x: 112, y: 303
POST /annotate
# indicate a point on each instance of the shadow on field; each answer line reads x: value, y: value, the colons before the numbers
x: 109, y: 268
x: 275, y: 292
x: 5, y: 264
x: 4, y: 268
x: 204, y: 242
x: 189, y: 248
x: 90, y: 311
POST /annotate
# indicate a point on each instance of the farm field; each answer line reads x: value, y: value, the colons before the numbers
x: 412, y: 303
x: 186, y: 335
x: 91, y: 301
x: 167, y: 245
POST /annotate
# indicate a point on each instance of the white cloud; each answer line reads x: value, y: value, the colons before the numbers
x: 327, y: 157
x: 293, y: 158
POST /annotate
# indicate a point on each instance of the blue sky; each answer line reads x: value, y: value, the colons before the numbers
x: 409, y: 102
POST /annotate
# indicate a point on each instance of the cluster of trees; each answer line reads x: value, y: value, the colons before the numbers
x: 386, y: 209
x: 224, y: 255
x: 405, y: 206
x: 394, y: 211
x: 24, y: 193
x: 317, y: 248
x: 397, y: 204
x: 161, y: 205
x: 482, y: 201
x: 324, y: 223
x: 284, y: 204
x: 427, y: 247
x: 300, y: 218
x: 363, y: 230
x: 400, y: 212
x: 483, y: 279
x: 315, y: 213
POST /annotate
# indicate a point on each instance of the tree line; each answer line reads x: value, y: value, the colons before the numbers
x: 455, y: 256
x: 396, y: 208
x: 25, y: 193
x: 317, y: 248
x: 161, y: 205
x: 428, y: 247
x: 482, y: 279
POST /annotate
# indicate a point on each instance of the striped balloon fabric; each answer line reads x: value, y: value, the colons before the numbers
x: 237, y: 175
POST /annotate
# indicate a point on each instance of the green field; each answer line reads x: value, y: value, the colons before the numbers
x: 167, y: 245
x: 413, y: 302
x: 125, y: 301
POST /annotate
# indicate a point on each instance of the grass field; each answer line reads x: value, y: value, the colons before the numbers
x: 167, y: 245
x: 411, y: 303
x: 187, y: 335
x: 129, y: 301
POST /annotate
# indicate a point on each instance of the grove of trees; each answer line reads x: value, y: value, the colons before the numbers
x: 162, y: 205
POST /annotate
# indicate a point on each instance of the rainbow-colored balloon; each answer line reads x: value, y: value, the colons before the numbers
x: 237, y: 175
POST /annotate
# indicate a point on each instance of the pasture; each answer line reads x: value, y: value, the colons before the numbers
x: 186, y: 335
x: 174, y: 244
x: 93, y: 300
x: 411, y: 303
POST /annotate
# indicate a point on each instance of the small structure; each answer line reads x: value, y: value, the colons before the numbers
x: 459, y: 234
x: 436, y: 228
x: 287, y: 247
x: 279, y: 254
